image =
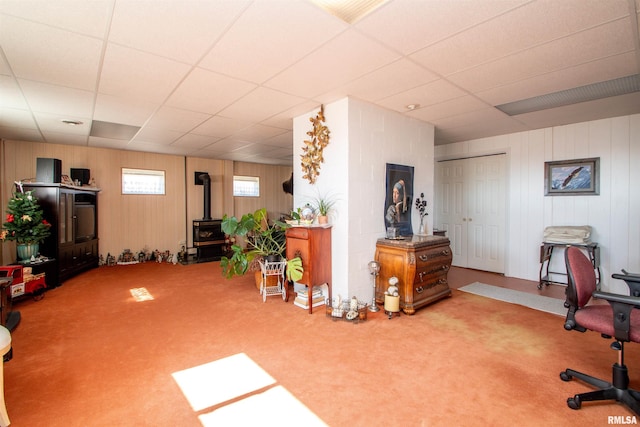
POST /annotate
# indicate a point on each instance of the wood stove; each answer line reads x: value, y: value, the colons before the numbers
x: 208, y: 238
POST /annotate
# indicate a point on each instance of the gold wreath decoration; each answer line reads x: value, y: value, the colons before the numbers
x: 312, y: 151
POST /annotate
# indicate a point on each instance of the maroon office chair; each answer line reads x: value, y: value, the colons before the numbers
x: 619, y: 319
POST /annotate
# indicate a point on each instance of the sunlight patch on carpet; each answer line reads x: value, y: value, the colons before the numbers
x: 274, y: 407
x: 222, y: 380
x: 141, y: 294
x: 537, y: 302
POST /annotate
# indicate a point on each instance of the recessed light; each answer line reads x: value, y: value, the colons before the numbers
x: 412, y: 107
x: 71, y: 122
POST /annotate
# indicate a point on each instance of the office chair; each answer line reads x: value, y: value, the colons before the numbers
x: 619, y: 319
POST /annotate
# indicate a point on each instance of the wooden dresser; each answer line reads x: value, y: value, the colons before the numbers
x: 313, y: 245
x: 421, y: 265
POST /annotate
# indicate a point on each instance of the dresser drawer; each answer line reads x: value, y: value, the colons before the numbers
x: 298, y: 233
x: 437, y: 255
x: 427, y: 288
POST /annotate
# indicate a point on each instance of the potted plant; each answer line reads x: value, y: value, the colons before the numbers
x: 25, y: 224
x: 264, y: 241
x: 324, y: 206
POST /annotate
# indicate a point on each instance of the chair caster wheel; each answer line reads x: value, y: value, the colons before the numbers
x: 564, y: 376
x: 574, y: 402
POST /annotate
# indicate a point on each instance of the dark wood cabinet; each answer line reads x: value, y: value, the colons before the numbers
x: 313, y: 246
x: 421, y: 265
x: 73, y: 214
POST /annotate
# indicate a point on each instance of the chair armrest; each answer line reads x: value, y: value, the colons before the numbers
x: 623, y: 299
x: 632, y: 280
x: 622, y: 305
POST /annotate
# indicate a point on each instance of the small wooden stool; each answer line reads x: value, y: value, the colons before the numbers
x: 5, y: 347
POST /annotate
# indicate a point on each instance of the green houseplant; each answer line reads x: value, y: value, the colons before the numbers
x: 323, y: 204
x: 263, y: 240
x: 25, y: 224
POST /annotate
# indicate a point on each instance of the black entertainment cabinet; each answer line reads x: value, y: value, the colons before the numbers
x: 73, y: 214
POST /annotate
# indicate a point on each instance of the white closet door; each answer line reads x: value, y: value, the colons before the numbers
x: 471, y: 206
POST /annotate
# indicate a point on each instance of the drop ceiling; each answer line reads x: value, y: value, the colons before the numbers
x: 223, y: 79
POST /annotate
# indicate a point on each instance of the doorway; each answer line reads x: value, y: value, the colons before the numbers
x: 470, y: 197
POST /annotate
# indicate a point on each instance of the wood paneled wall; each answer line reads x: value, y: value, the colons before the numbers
x: 138, y: 221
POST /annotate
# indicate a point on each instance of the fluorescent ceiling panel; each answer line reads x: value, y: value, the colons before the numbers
x: 349, y: 10
x: 606, y: 89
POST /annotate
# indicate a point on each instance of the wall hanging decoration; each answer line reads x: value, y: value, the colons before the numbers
x: 399, y: 201
x: 312, y: 150
x: 580, y: 177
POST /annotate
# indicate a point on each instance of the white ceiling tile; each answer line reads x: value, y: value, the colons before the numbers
x: 228, y: 144
x: 48, y: 122
x: 180, y: 30
x: 346, y: 57
x: 208, y: 92
x: 429, y: 94
x: 156, y: 136
x: 399, y: 76
x: 176, y: 119
x: 221, y: 127
x: 20, y: 134
x: 48, y: 98
x: 65, y: 138
x: 129, y: 73
x: 80, y: 16
x: 602, y: 69
x: 268, y: 37
x: 124, y: 111
x: 14, y: 117
x: 10, y: 94
x: 452, y: 107
x: 195, y: 141
x: 533, y: 24
x: 600, y: 42
x: 42, y: 53
x: 260, y: 104
x: 258, y: 133
x: 284, y: 120
x: 410, y: 25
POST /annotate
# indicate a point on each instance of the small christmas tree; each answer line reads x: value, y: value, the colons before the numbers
x: 24, y: 222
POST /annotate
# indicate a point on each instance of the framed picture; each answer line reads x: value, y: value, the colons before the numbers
x: 399, y: 198
x: 580, y: 177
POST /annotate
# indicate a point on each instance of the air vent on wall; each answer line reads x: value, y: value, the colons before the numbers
x: 606, y: 89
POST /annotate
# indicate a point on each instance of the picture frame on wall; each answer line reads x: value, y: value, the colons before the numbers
x: 578, y: 177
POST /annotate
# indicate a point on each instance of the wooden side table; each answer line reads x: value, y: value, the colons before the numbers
x: 313, y: 245
x: 421, y: 265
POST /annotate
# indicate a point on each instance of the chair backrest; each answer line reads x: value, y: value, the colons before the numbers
x: 581, y: 275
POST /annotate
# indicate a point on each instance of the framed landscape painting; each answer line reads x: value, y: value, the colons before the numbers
x: 580, y: 177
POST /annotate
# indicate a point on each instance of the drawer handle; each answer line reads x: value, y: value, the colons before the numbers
x: 422, y: 273
x: 420, y: 290
x: 425, y: 257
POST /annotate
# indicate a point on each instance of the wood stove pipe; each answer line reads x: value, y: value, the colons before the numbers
x: 206, y: 181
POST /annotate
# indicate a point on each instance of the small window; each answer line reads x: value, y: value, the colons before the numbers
x: 246, y: 186
x: 142, y: 181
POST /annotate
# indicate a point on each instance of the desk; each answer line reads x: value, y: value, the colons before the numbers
x: 546, y: 252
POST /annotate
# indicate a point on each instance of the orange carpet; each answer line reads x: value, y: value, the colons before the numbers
x: 88, y: 354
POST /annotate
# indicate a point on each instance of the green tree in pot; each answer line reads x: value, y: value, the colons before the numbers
x: 263, y: 240
x: 25, y: 224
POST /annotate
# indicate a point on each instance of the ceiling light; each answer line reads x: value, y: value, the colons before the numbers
x: 113, y: 130
x: 412, y: 107
x: 349, y: 10
x: 606, y: 89
x: 71, y: 122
